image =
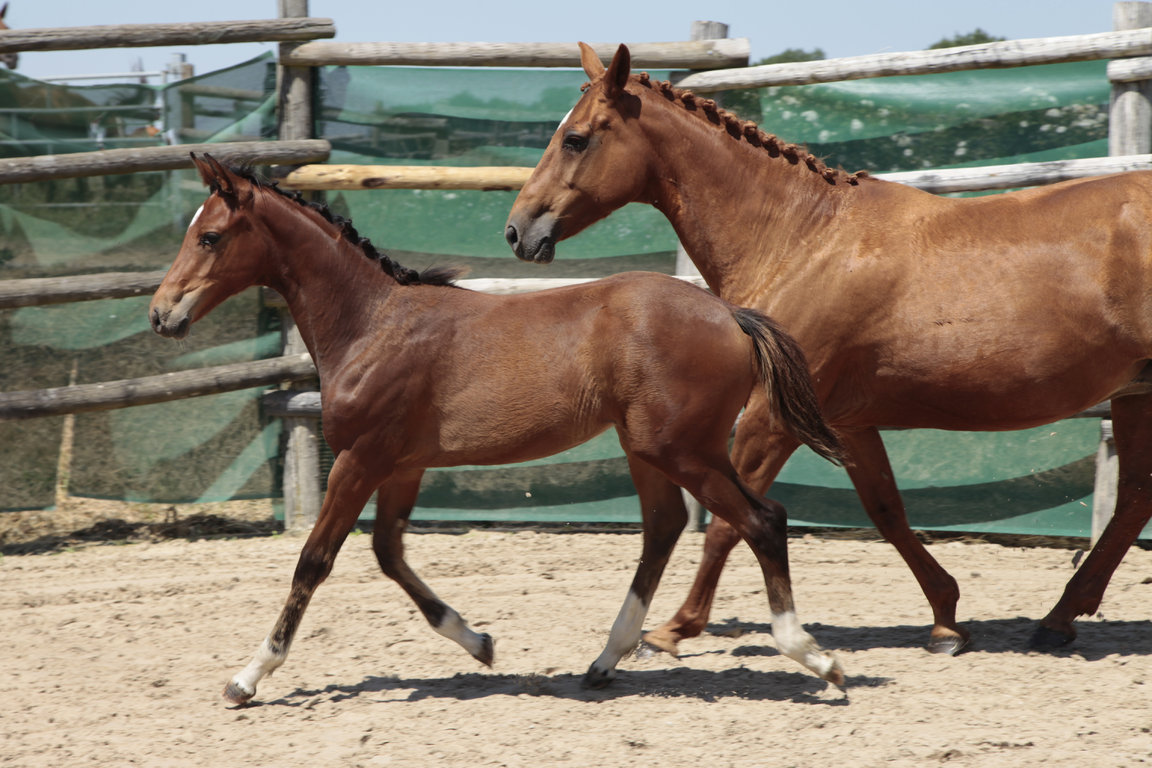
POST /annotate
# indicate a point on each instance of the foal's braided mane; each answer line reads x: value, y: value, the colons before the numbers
x: 747, y: 130
x: 402, y: 275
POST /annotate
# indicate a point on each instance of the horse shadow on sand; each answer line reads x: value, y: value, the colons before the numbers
x: 1098, y: 638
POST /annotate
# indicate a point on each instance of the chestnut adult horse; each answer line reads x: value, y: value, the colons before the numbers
x: 416, y: 373
x: 914, y: 310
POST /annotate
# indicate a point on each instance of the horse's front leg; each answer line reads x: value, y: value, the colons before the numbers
x: 758, y: 454
x: 394, y: 504
x: 349, y: 488
x: 664, y: 515
x: 875, y: 484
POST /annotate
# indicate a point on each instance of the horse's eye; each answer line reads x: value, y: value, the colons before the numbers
x: 575, y: 142
x: 209, y: 239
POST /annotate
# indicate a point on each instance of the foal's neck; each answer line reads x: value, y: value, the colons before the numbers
x: 334, y: 291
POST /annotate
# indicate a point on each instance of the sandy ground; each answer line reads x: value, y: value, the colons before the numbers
x: 117, y: 654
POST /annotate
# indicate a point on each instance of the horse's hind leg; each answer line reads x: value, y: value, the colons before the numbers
x: 1132, y: 427
x: 393, y: 506
x: 664, y: 516
x: 349, y: 489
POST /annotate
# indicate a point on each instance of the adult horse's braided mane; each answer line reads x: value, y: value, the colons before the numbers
x: 401, y: 274
x: 747, y: 130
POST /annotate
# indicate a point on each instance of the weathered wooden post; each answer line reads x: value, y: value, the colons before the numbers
x: 701, y: 30
x: 301, y: 488
x: 1129, y: 133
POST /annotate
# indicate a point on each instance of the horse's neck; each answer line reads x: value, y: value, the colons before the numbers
x: 736, y: 209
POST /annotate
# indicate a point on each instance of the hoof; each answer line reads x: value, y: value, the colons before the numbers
x: 237, y: 695
x: 949, y: 645
x: 487, y: 650
x: 662, y: 641
x: 835, y: 675
x: 1048, y: 639
x: 598, y: 678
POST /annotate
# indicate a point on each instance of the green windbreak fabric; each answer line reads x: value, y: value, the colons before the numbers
x: 1035, y: 481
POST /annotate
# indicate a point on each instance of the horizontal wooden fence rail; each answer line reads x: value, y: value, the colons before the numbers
x: 695, y: 54
x: 114, y: 161
x: 186, y: 33
x: 1001, y: 55
x: 39, y: 291
x: 353, y: 177
x: 124, y: 393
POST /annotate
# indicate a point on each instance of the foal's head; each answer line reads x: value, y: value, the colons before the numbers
x: 595, y: 163
x: 224, y: 252
x: 7, y: 59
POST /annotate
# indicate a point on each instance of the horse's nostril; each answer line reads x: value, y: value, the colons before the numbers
x: 511, y: 235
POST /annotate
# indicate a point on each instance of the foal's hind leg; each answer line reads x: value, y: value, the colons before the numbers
x: 664, y: 516
x: 393, y: 506
x: 763, y: 524
x: 758, y: 455
x: 1132, y: 427
x: 349, y: 489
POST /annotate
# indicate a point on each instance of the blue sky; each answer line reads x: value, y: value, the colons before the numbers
x: 839, y: 27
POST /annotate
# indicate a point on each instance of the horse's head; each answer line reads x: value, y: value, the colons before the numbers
x: 219, y: 255
x: 7, y: 59
x: 594, y: 164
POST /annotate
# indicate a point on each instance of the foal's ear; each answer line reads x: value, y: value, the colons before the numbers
x: 617, y: 75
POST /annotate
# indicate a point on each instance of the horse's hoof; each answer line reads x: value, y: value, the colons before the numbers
x: 949, y: 645
x: 662, y: 642
x: 598, y: 678
x: 487, y: 650
x: 237, y: 695
x: 1048, y: 639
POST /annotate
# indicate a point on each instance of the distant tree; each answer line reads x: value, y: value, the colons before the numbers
x: 793, y: 54
x: 974, y: 37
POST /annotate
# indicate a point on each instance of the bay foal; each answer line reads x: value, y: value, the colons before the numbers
x: 417, y: 373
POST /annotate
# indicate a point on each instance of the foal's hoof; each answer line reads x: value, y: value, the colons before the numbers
x: 949, y: 645
x: 237, y: 695
x: 487, y: 650
x: 1048, y: 639
x: 598, y: 678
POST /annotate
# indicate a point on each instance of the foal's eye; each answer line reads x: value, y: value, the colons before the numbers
x: 575, y: 142
x: 209, y: 239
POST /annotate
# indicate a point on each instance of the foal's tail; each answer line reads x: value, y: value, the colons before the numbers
x: 784, y: 371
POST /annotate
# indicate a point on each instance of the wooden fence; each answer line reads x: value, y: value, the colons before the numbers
x: 722, y: 62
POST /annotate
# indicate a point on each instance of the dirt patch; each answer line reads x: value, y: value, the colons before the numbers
x: 117, y: 655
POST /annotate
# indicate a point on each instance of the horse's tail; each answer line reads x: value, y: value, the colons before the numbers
x: 784, y: 372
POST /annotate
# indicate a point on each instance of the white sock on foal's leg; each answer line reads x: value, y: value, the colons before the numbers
x: 624, y: 637
x: 794, y: 642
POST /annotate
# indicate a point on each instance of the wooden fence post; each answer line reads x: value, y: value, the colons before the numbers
x: 1129, y: 133
x: 301, y: 486
x: 701, y: 30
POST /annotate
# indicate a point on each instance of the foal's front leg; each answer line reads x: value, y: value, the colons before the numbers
x: 349, y: 489
x: 393, y: 506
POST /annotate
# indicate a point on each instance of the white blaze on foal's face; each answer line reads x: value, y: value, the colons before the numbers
x: 195, y: 218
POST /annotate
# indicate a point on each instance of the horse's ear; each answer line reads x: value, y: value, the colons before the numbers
x: 617, y: 75
x: 593, y: 67
x: 3, y: 10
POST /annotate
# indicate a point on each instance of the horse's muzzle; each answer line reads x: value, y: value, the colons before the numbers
x: 535, y: 241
